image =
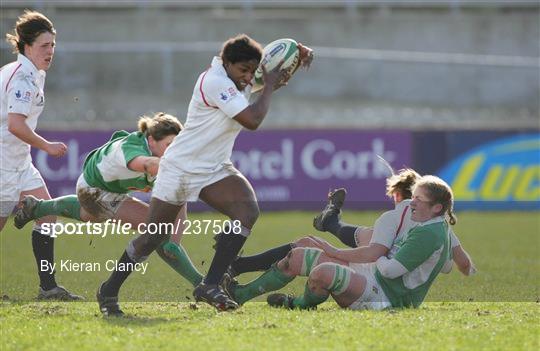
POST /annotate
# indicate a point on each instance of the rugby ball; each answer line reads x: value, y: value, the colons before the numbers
x: 281, y: 49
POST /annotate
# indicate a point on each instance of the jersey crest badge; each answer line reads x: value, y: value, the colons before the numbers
x: 26, y: 97
x: 228, y: 94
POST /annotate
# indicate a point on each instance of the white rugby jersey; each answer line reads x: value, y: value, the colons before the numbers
x: 392, y: 227
x: 206, y: 142
x: 22, y: 92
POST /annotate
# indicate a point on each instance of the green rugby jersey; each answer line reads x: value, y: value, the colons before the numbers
x: 423, y: 252
x: 106, y: 167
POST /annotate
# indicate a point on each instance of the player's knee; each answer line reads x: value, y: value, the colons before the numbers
x: 322, y: 274
x: 300, y: 261
x: 292, y: 263
x: 304, y: 242
x: 320, y: 279
x: 296, y: 256
x: 283, y: 264
x: 250, y: 217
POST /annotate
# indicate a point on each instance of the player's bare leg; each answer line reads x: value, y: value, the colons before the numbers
x: 363, y: 236
x: 323, y: 280
x: 328, y: 278
x: 264, y: 260
x: 299, y: 261
x: 234, y: 197
x: 132, y: 211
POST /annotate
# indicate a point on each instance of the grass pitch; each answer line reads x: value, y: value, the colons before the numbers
x: 496, y: 309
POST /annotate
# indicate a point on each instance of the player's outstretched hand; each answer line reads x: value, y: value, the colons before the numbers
x: 325, y: 246
x: 56, y: 149
x: 306, y: 55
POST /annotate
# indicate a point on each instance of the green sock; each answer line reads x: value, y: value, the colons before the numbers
x: 271, y: 280
x: 181, y: 262
x: 65, y: 206
x: 308, y: 300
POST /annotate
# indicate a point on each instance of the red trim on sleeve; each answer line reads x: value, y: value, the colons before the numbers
x: 401, y: 222
x: 201, y: 90
x: 12, y: 74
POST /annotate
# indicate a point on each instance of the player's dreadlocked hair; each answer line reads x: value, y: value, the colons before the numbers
x: 241, y: 49
x: 159, y: 126
x: 402, y: 183
x: 28, y: 27
x: 439, y: 193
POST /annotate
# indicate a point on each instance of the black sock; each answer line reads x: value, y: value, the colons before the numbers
x: 333, y: 224
x: 347, y: 234
x: 342, y: 231
x: 227, y: 248
x: 117, y: 278
x: 260, y: 262
x: 43, y: 247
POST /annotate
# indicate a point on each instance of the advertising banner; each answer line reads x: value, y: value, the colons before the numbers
x: 500, y: 174
x: 289, y: 169
x: 297, y: 168
x: 60, y: 174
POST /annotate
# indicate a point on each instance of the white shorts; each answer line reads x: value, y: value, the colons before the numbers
x: 373, y: 297
x: 176, y: 187
x: 12, y: 183
x: 100, y: 203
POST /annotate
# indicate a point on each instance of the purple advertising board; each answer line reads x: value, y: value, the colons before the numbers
x: 60, y: 174
x: 289, y: 169
x: 296, y: 168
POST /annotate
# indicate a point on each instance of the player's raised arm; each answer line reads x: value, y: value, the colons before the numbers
x: 253, y: 115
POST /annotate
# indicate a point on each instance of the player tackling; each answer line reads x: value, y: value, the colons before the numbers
x: 401, y: 280
x: 127, y: 162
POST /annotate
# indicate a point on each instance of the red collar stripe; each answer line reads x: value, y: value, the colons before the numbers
x: 402, y: 218
x: 12, y: 74
x: 202, y: 93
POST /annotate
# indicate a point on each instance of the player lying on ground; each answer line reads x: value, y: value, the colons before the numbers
x: 389, y: 232
x: 197, y: 166
x: 22, y: 100
x: 127, y: 162
x: 378, y: 241
x: 401, y: 281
